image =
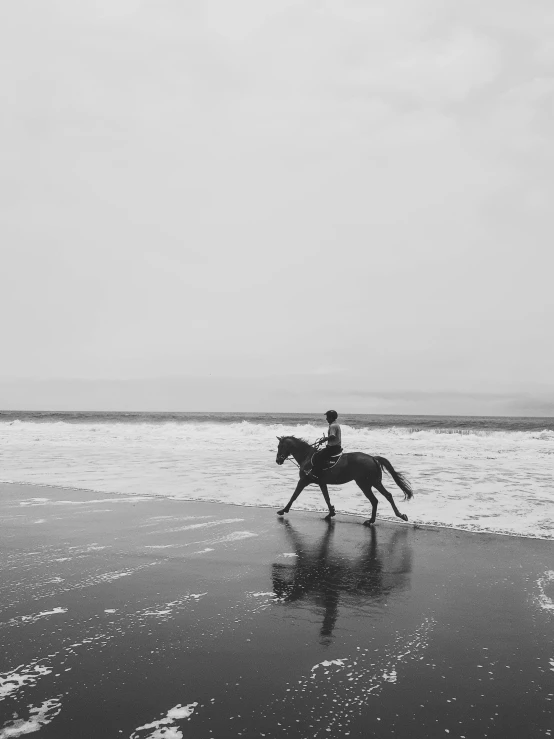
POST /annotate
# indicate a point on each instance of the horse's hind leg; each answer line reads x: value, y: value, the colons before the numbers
x: 365, y: 487
x: 331, y: 508
x: 383, y: 490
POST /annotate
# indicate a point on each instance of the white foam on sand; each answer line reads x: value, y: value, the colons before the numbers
x: 107, y: 577
x: 167, y: 726
x: 542, y: 598
x: 167, y: 611
x: 65, y: 586
x: 157, y: 520
x: 19, y: 679
x: 235, y: 536
x: 328, y: 663
x: 39, y: 716
x: 48, y: 501
x: 264, y: 600
x: 352, y: 681
x: 111, y: 576
x: 32, y: 618
x: 24, y: 675
x: 226, y: 539
x: 205, y: 525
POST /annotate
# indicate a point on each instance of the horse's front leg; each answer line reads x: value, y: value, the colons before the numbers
x: 302, y: 483
x: 331, y: 508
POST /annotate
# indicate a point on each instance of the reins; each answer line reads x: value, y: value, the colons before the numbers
x: 290, y: 458
x: 293, y: 460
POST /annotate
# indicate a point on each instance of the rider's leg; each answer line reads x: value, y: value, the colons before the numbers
x: 299, y: 488
x: 320, y: 458
x: 316, y: 463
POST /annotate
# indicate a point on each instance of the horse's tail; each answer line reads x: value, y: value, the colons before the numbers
x: 398, y: 477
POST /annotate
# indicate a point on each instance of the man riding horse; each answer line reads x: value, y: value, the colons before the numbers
x: 333, y: 448
x: 366, y: 470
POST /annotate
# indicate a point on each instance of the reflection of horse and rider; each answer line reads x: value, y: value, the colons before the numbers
x: 330, y: 466
x: 321, y: 577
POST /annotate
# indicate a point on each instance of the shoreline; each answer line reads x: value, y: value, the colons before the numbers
x: 489, y: 482
x: 388, y: 519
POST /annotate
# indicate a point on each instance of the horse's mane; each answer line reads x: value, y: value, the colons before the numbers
x: 295, y: 438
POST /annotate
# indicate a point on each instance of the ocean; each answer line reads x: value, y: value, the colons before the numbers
x: 474, y: 473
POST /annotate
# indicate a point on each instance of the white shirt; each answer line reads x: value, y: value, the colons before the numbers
x: 334, y: 430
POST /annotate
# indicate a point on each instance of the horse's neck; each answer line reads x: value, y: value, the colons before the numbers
x: 302, y: 451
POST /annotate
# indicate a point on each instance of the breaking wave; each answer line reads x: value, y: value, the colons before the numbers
x: 476, y: 476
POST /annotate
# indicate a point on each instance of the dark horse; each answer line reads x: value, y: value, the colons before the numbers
x: 367, y: 471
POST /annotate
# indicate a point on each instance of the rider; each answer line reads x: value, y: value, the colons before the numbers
x: 333, y: 440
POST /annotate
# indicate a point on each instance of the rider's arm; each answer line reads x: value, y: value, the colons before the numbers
x: 332, y: 435
x: 328, y: 438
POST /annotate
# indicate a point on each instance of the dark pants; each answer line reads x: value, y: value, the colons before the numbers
x: 323, y: 456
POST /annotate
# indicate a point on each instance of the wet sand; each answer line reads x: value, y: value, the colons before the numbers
x: 149, y: 617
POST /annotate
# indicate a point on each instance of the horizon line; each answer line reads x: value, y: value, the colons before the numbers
x: 274, y: 413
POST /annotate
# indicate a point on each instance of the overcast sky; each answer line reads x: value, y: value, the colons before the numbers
x: 278, y: 205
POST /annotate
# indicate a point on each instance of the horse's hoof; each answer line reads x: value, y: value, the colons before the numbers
x: 281, y: 512
x: 368, y: 522
x: 403, y: 516
x: 331, y: 513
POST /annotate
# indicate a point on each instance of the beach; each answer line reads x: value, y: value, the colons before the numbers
x: 143, y: 616
x: 219, y: 222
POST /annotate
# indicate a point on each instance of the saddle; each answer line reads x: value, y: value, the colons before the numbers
x: 328, y: 465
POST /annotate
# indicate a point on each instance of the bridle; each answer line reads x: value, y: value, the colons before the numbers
x: 281, y: 458
x: 287, y: 458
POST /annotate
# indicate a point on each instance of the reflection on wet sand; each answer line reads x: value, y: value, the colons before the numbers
x: 321, y: 574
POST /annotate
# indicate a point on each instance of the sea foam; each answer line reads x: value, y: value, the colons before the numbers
x: 479, y: 479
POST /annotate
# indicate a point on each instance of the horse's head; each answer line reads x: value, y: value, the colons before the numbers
x: 283, y: 450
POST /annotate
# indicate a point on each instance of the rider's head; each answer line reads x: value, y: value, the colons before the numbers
x: 331, y: 416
